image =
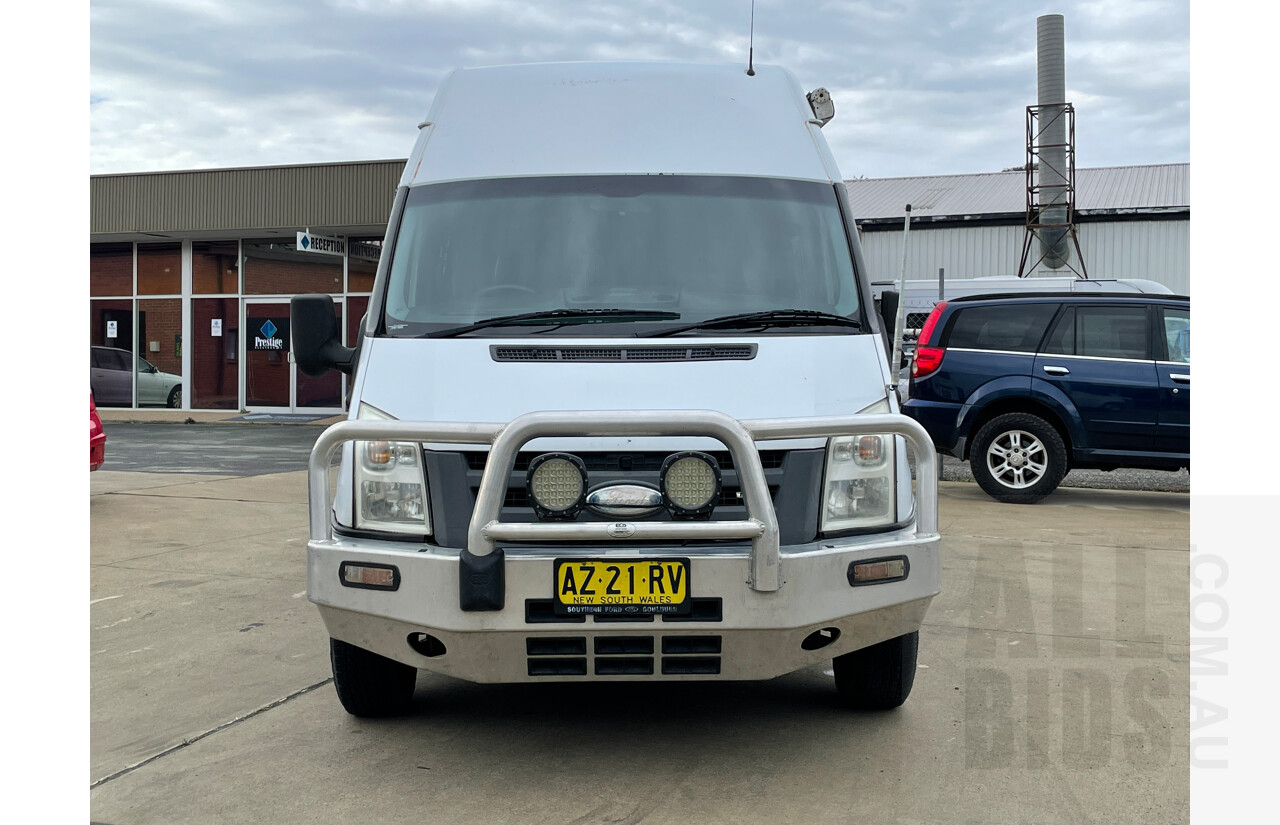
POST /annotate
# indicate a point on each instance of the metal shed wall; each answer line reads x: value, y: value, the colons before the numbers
x: 235, y: 201
x: 1157, y: 250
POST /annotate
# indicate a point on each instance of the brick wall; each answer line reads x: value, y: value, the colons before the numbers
x: 213, y: 268
x: 214, y: 369
x: 110, y: 269
x: 278, y: 275
x: 160, y: 321
x: 159, y: 269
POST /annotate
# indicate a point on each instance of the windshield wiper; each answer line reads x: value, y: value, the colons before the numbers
x: 768, y: 318
x: 557, y: 316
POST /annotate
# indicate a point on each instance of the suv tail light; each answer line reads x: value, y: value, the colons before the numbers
x: 928, y: 358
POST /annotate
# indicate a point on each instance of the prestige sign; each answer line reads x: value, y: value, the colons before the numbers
x: 270, y: 334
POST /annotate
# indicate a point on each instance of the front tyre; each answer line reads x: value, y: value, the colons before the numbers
x: 878, y: 677
x: 1018, y: 458
x: 174, y: 400
x: 370, y: 685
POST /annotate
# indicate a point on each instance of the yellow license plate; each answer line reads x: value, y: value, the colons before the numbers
x: 631, y: 586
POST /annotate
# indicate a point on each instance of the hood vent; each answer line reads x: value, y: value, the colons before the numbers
x: 648, y: 354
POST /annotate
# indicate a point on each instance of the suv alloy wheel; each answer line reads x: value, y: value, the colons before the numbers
x: 1018, y: 458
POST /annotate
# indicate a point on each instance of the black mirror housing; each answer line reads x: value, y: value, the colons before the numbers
x: 317, y: 344
x: 889, y: 316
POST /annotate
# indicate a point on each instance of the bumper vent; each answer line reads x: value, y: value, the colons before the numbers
x: 557, y: 667
x: 623, y: 655
x: 691, y: 665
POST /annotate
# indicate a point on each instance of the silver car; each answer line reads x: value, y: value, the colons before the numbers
x: 110, y: 379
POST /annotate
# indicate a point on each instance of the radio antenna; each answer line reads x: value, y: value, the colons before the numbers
x: 751, y: 42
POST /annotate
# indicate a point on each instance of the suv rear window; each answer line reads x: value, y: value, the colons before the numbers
x: 1012, y: 327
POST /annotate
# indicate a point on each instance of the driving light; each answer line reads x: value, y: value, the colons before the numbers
x: 557, y: 484
x: 690, y: 484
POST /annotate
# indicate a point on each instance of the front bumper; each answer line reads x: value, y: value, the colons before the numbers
x: 756, y: 635
x: 763, y: 610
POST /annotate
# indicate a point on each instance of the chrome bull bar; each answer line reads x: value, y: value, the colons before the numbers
x: 505, y: 441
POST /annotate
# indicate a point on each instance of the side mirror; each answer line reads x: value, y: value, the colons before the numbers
x: 317, y: 346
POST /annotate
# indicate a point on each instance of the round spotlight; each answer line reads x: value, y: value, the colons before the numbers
x: 690, y: 484
x: 557, y: 485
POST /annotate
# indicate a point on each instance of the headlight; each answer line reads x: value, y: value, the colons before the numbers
x: 859, y: 488
x: 390, y: 486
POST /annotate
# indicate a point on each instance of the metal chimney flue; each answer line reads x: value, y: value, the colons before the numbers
x: 1051, y: 85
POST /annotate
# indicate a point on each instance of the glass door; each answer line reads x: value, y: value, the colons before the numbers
x: 272, y: 382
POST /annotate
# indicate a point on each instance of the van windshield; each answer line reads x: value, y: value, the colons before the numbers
x: 677, y: 249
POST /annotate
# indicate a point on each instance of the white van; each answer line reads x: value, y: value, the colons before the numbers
x: 620, y: 407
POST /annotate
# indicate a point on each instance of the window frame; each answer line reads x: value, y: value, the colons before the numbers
x: 1160, y: 333
x: 946, y: 340
x: 1072, y: 310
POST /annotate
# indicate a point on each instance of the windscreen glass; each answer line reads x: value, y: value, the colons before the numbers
x: 700, y: 247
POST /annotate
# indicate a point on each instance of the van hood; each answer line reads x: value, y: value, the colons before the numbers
x: 461, y: 380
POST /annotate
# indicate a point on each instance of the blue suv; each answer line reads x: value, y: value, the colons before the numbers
x: 1028, y: 386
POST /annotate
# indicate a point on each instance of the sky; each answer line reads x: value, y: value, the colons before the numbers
x: 922, y: 87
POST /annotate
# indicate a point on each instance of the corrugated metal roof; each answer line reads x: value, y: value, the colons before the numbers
x: 232, y: 202
x: 1155, y: 187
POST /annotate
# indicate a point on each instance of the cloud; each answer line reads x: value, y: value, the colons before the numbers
x: 922, y: 87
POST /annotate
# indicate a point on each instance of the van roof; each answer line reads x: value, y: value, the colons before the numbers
x: 619, y: 118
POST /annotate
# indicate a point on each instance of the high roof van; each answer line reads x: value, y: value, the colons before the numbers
x: 620, y: 407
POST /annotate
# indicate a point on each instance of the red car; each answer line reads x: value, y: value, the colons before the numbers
x: 97, y: 437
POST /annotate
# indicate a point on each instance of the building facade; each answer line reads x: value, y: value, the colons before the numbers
x: 191, y: 272
x: 1131, y: 222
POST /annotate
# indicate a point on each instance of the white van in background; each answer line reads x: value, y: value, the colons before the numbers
x: 620, y: 408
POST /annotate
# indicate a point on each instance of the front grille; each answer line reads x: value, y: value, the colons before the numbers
x: 732, y: 496
x: 615, y: 467
x: 793, y: 478
x: 729, y: 496
x: 648, y: 354
x: 628, y: 462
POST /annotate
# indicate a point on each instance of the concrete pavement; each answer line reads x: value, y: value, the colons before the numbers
x: 1052, y: 687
